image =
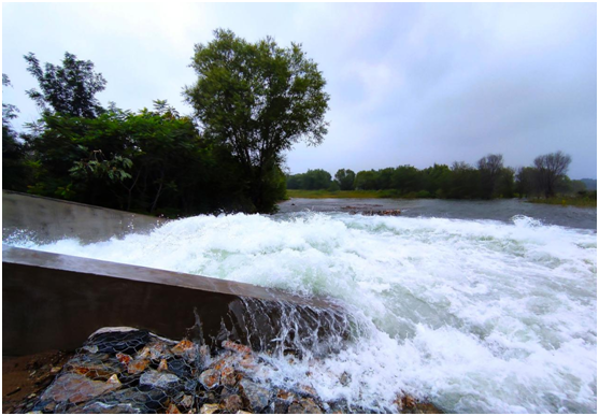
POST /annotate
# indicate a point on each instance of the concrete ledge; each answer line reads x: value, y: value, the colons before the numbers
x: 53, y: 301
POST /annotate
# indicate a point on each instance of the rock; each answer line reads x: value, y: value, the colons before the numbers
x: 156, y: 379
x: 126, y: 341
x: 114, y: 380
x: 148, y: 400
x: 304, y: 406
x: 163, y: 366
x: 281, y: 407
x: 172, y: 410
x: 228, y: 377
x: 210, y: 378
x: 208, y: 409
x: 186, y: 349
x: 91, y: 348
x: 233, y: 403
x: 76, y: 389
x: 137, y: 366
x: 95, y: 367
x: 258, y: 397
x: 187, y: 401
x: 233, y: 346
x: 105, y: 408
x: 123, y: 358
x: 304, y: 390
x: 345, y: 379
x: 285, y: 396
x: 179, y: 367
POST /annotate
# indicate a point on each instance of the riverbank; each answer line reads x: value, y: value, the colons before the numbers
x: 581, y: 202
x: 325, y: 194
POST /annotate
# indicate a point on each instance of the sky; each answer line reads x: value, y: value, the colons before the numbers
x: 410, y: 83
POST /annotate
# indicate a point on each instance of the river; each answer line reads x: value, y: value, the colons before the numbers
x: 479, y: 307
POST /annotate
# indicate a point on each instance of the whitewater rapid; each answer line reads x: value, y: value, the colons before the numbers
x: 475, y: 315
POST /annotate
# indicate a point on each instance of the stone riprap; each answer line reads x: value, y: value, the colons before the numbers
x: 125, y: 370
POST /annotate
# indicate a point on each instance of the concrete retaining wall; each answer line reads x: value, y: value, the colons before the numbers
x: 53, y: 301
x: 50, y: 219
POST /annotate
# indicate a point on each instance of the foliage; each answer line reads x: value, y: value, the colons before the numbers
x: 146, y: 162
x: 345, y: 178
x: 15, y: 169
x: 69, y: 89
x: 257, y: 99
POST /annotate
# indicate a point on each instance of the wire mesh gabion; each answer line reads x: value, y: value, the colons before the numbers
x: 126, y: 370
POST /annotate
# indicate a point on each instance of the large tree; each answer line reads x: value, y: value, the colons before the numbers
x: 258, y: 99
x: 69, y: 89
x: 550, y: 169
x: 490, y: 168
x: 345, y: 178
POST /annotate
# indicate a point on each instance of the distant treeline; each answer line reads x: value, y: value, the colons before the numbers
x: 489, y: 179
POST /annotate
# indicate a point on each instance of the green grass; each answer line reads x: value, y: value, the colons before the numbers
x: 582, y: 202
x: 323, y: 193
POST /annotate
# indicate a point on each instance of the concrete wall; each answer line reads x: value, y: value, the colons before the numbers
x: 49, y: 219
x: 53, y: 301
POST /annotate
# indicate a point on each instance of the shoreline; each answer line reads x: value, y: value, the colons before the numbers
x: 324, y: 194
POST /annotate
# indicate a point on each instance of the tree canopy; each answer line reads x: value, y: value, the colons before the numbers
x: 258, y: 99
x: 69, y: 89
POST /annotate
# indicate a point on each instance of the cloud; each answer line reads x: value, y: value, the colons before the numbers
x: 409, y: 83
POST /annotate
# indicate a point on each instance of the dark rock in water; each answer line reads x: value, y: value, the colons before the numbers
x: 304, y: 406
x: 161, y: 380
x: 257, y: 397
x: 345, y: 379
x: 76, y: 388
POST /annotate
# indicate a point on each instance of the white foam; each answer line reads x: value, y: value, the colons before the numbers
x: 478, y: 316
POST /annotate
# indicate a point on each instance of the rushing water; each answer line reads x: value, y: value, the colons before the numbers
x: 479, y: 307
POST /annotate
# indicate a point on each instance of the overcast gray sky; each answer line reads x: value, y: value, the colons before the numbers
x: 410, y: 83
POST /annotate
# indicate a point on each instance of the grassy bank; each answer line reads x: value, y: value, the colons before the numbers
x: 582, y: 202
x: 323, y: 193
